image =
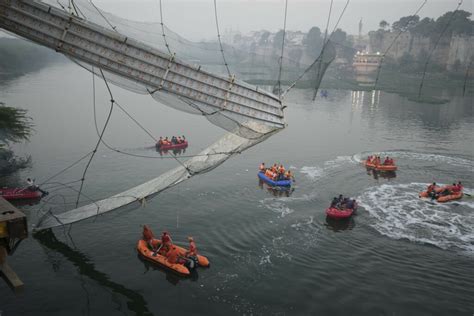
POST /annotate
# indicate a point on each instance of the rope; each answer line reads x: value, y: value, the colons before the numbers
x: 67, y: 168
x: 324, y: 47
x: 163, y: 29
x: 282, y: 50
x: 100, y: 138
x: 393, y: 42
x: 107, y: 21
x: 219, y: 39
x: 434, y: 48
x: 320, y: 57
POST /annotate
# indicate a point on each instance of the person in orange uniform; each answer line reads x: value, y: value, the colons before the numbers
x: 148, y: 236
x: 289, y: 175
x: 281, y: 172
x: 173, y: 255
x: 262, y: 167
x: 274, y: 168
x: 166, y: 243
x: 192, y: 252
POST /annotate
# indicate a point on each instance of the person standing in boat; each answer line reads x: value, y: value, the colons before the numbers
x: 33, y: 187
x: 192, y: 252
x: 166, y: 242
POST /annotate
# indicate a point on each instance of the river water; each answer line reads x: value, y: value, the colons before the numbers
x: 271, y: 252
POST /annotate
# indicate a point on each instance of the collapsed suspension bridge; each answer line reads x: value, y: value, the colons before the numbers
x: 248, y: 113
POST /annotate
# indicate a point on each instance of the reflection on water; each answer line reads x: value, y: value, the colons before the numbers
x: 342, y: 224
x: 171, y: 277
x: 175, y: 152
x: 376, y: 174
x: 136, y: 303
x: 276, y: 191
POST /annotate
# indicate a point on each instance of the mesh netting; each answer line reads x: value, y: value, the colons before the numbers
x: 149, y: 58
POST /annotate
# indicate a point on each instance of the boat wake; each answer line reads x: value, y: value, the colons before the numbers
x: 397, y: 212
x: 315, y: 173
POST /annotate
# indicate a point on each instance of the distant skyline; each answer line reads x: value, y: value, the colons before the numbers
x: 195, y: 19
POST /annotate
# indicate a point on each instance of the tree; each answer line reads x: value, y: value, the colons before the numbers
x: 383, y: 24
x: 405, y: 23
x: 15, y: 127
x: 278, y: 39
x: 313, y: 41
x: 264, y: 38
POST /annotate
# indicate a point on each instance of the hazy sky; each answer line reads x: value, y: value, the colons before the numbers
x: 194, y: 19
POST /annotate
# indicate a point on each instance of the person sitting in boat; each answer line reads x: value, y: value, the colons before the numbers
x: 334, y: 202
x: 192, y: 252
x: 289, y: 175
x: 448, y: 190
x: 386, y: 161
x: 173, y: 255
x: 166, y: 141
x: 281, y: 170
x: 262, y: 167
x: 457, y: 188
x: 33, y: 187
x: 184, y: 138
x: 350, y: 204
x: 369, y: 159
x: 431, y: 190
x: 274, y: 168
x: 179, y: 140
x: 160, y: 141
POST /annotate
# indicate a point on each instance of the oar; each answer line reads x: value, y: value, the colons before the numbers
x: 467, y: 194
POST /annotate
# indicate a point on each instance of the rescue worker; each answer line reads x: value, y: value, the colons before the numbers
x: 262, y: 167
x: 350, y: 204
x: 334, y: 202
x: 274, y: 168
x: 289, y: 175
x: 166, y: 243
x: 192, y: 252
x: 386, y: 161
x: 33, y: 187
x: 431, y: 190
x: 456, y: 188
x: 148, y: 236
x: 173, y: 255
x: 160, y: 141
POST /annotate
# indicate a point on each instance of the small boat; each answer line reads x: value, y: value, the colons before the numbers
x: 380, y: 167
x: 172, y: 146
x: 336, y: 213
x: 279, y: 183
x: 451, y: 197
x: 19, y: 194
x: 443, y: 198
x: 180, y: 268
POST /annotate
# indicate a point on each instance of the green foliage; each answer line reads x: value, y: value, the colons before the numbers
x: 313, y: 42
x: 278, y: 39
x: 15, y: 125
x: 405, y: 23
x: 383, y: 24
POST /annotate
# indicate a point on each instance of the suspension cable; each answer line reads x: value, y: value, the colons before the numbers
x: 100, y: 137
x: 219, y: 39
x: 434, y: 47
x: 282, y: 50
x: 163, y: 29
x: 320, y: 57
x: 393, y: 42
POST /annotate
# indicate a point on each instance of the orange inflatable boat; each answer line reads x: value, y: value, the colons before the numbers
x: 380, y: 167
x: 180, y: 268
x: 444, y: 198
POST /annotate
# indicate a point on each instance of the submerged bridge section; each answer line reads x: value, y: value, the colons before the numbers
x: 186, y: 86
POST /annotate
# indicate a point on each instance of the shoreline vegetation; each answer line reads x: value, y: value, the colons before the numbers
x: 15, y: 127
